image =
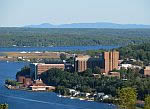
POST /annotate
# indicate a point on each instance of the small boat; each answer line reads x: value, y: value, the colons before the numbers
x: 81, y: 99
x: 59, y: 95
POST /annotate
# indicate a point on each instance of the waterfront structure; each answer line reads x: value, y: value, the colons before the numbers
x: 42, y: 88
x: 147, y: 71
x: 110, y: 61
x: 36, y: 69
x: 26, y: 81
x: 80, y: 63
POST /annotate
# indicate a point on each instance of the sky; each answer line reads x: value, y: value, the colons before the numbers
x: 14, y: 13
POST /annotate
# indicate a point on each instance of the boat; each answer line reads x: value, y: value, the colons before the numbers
x: 59, y: 95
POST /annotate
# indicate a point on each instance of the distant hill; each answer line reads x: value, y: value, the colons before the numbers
x: 90, y: 25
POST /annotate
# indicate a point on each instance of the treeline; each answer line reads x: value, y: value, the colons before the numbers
x: 71, y: 37
x: 139, y: 52
x: 85, y: 82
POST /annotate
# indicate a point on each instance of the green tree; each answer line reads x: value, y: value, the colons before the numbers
x: 62, y: 56
x: 147, y: 102
x: 127, y: 98
x: 97, y: 70
x: 3, y: 106
x: 87, y: 72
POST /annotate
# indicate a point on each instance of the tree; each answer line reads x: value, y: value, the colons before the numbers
x: 127, y: 98
x: 62, y: 56
x: 147, y: 102
x: 87, y: 72
x: 97, y: 70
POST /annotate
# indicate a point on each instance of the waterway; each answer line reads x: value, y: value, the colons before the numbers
x: 37, y: 100
x: 18, y: 99
x: 61, y: 48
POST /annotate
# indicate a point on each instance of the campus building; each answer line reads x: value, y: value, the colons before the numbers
x: 110, y: 61
x: 36, y: 69
x: 107, y: 62
x: 80, y: 63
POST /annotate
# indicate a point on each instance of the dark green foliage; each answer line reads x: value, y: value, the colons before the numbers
x: 11, y: 82
x: 62, y: 56
x: 97, y: 70
x: 71, y: 37
x: 139, y: 52
x: 83, y: 83
x: 62, y: 90
x: 25, y: 71
x: 86, y: 83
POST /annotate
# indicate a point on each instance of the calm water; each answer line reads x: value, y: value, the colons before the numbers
x: 70, y: 48
x: 37, y: 100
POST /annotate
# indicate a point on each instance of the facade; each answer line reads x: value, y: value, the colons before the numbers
x: 110, y: 61
x: 36, y: 69
x: 114, y: 74
x: 94, y: 62
x: 26, y: 81
x: 80, y: 63
x: 42, y: 88
x: 147, y: 71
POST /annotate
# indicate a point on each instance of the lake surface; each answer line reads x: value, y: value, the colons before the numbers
x: 62, y: 48
x: 37, y: 100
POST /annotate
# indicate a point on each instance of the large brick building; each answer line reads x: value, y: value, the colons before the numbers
x: 36, y: 69
x: 110, y: 61
x: 107, y: 62
x: 80, y: 63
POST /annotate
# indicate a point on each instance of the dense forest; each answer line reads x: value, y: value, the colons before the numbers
x: 88, y: 83
x: 71, y: 37
x: 139, y: 52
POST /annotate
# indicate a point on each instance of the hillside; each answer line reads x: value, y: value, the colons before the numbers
x: 71, y: 37
x: 90, y: 25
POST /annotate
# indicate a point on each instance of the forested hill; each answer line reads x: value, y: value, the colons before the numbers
x: 71, y: 37
x: 139, y: 52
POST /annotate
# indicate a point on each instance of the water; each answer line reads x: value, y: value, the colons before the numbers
x: 37, y: 100
x: 63, y: 48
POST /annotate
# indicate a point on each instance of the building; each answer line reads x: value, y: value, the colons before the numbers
x: 147, y: 71
x: 38, y: 85
x: 80, y: 63
x: 25, y: 80
x: 126, y: 66
x: 110, y: 61
x: 94, y: 62
x: 36, y: 69
x: 114, y: 74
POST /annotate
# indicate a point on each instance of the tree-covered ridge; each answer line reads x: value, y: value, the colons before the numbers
x: 139, y: 52
x: 85, y: 82
x: 71, y: 37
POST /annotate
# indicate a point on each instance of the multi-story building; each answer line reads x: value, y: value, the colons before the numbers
x: 36, y: 69
x: 80, y: 63
x: 94, y: 62
x: 110, y: 61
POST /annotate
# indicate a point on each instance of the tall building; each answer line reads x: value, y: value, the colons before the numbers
x: 36, y: 69
x: 80, y: 63
x: 110, y: 61
x: 94, y: 62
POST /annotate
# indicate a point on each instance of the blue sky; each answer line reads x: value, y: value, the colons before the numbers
x: 25, y: 12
